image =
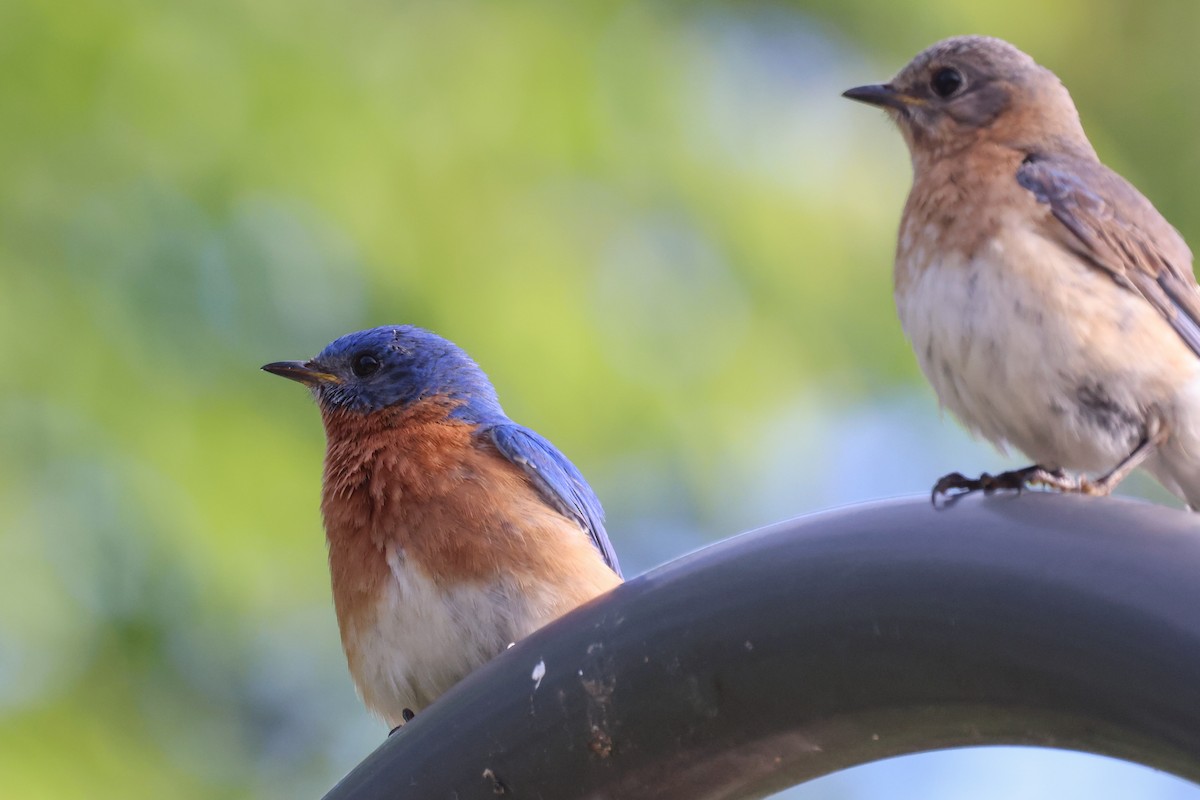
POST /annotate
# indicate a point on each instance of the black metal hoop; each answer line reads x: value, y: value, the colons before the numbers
x: 834, y: 640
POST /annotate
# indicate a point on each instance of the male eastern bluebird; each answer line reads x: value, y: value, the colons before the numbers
x: 1048, y: 302
x: 452, y: 530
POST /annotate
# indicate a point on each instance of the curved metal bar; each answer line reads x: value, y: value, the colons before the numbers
x: 834, y: 640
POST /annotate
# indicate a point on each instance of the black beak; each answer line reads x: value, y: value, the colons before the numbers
x: 305, y: 372
x: 880, y: 94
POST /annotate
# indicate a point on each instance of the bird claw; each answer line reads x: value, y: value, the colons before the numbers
x: 956, y: 484
x: 407, y: 715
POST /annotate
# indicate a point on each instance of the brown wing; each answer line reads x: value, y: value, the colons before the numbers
x: 1119, y: 231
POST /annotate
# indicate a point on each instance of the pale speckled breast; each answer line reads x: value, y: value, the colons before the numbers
x: 1028, y: 344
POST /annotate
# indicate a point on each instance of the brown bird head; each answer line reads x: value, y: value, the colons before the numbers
x: 969, y: 89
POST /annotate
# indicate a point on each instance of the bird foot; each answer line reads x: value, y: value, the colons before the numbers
x: 956, y: 484
x: 407, y: 714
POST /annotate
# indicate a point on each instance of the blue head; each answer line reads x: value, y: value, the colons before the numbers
x: 395, y: 366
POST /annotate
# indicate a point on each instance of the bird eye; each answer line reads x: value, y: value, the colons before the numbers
x: 946, y: 81
x: 364, y: 364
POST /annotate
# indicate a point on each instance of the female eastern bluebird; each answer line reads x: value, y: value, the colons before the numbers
x: 452, y: 531
x: 1048, y: 302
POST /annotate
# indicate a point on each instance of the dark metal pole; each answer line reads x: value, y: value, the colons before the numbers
x: 834, y: 640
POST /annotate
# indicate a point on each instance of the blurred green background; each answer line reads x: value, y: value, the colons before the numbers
x: 657, y: 226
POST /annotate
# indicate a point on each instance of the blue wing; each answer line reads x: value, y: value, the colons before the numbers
x: 558, y: 481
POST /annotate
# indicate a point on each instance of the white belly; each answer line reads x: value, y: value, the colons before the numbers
x: 423, y: 639
x: 1030, y: 346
